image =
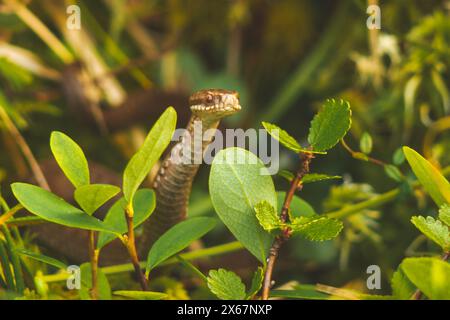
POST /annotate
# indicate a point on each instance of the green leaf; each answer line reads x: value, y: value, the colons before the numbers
x: 284, y: 138
x: 42, y: 258
x: 103, y: 287
x: 402, y: 288
x: 299, y: 207
x: 52, y: 208
x: 309, y: 177
x: 154, y: 145
x: 226, y: 285
x: 92, y: 196
x: 431, y: 179
x: 393, y: 172
x: 177, y: 238
x: 365, y: 143
x: 237, y: 182
x: 144, y: 203
x: 300, y: 292
x: 399, y: 157
x: 429, y: 275
x: 444, y: 214
x: 267, y: 216
x: 70, y: 158
x: 256, y: 284
x: 433, y: 229
x: 141, y: 295
x: 317, y: 229
x: 330, y: 125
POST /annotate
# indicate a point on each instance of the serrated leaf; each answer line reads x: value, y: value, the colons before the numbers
x: 256, y: 284
x: 284, y: 138
x: 402, y: 287
x: 151, y: 150
x: 52, y: 208
x: 317, y: 229
x: 365, y: 143
x: 429, y: 275
x: 444, y: 214
x: 267, y: 216
x: 141, y: 295
x: 177, y: 238
x: 103, y: 287
x: 429, y: 177
x: 70, y: 158
x: 144, y: 203
x: 42, y: 258
x: 226, y: 285
x: 330, y: 125
x: 237, y: 182
x: 92, y: 196
x: 434, y: 230
x: 309, y: 177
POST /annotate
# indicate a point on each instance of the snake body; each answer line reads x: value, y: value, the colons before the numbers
x: 174, y: 179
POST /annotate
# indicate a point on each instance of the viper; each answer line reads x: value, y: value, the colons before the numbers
x: 174, y: 179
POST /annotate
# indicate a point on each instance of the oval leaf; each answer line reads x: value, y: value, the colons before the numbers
x: 430, y: 275
x: 177, y: 238
x: 143, y: 205
x: 434, y: 230
x: 52, y: 208
x: 429, y: 177
x: 154, y: 145
x: 330, y: 125
x: 92, y: 196
x: 70, y: 158
x: 226, y: 285
x: 237, y: 182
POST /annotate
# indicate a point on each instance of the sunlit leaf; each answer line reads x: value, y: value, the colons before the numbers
x: 92, y: 196
x: 226, y: 285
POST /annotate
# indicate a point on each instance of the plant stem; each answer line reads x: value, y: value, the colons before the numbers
x: 25, y: 148
x: 418, y: 294
x: 9, y: 214
x: 93, y: 253
x: 360, y: 155
x: 131, y: 246
x: 279, y: 240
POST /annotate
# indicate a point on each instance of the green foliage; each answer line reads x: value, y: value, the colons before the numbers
x: 444, y: 214
x: 226, y: 285
x: 300, y: 292
x: 330, y: 125
x: 154, y: 145
x: 433, y: 229
x: 144, y: 203
x: 70, y: 158
x: 177, y: 238
x: 366, y: 143
x: 299, y: 207
x: 90, y: 197
x: 141, y: 295
x: 256, y: 283
x: 402, y: 287
x: 237, y: 182
x: 284, y: 138
x: 267, y: 216
x: 393, y: 172
x: 103, y: 287
x: 429, y: 275
x: 309, y: 177
x: 52, y: 208
x: 42, y: 258
x: 431, y: 179
x: 317, y: 229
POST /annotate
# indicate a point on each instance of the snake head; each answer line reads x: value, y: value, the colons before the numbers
x: 214, y: 103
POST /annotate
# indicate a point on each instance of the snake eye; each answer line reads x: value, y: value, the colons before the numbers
x: 209, y: 98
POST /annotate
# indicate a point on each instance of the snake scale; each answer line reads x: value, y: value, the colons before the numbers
x: 174, y: 179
